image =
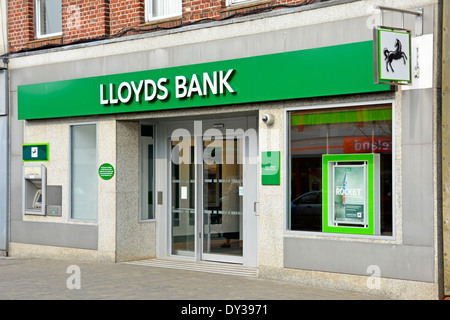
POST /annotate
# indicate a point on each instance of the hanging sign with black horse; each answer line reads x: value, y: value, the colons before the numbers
x: 392, y: 56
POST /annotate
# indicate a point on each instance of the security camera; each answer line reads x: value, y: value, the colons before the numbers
x: 268, y: 119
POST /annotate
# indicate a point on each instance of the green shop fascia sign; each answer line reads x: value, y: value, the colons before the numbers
x: 326, y: 71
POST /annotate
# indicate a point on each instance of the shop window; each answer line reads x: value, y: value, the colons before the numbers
x: 147, y: 172
x: 162, y: 9
x: 48, y: 18
x: 355, y: 133
x: 83, y: 171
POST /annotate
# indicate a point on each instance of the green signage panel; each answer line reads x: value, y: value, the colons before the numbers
x: 36, y: 152
x: 106, y: 171
x: 351, y: 193
x: 270, y: 168
x: 393, y: 56
x: 334, y: 70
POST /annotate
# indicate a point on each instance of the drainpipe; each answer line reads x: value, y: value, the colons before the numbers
x: 4, y: 158
x: 446, y: 143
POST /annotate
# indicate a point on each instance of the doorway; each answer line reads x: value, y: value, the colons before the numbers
x: 212, y: 190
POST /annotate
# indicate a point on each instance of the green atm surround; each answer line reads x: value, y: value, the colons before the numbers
x: 371, y: 164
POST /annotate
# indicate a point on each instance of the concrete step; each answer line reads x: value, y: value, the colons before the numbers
x: 211, y: 267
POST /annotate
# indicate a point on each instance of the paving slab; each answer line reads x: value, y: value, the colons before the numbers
x: 37, y: 279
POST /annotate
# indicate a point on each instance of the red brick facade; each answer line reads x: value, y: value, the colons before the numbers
x: 125, y: 14
x: 20, y: 24
x: 87, y: 20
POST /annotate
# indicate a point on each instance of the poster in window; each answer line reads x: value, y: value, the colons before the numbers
x: 349, y: 189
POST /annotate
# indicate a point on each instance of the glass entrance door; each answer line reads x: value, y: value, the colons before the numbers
x: 212, y: 194
x: 223, y: 200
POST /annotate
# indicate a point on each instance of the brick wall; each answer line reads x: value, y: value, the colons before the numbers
x: 194, y: 10
x: 85, y: 20
x: 126, y: 14
x: 20, y: 23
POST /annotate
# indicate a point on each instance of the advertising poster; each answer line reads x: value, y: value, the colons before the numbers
x: 367, y: 145
x: 349, y: 190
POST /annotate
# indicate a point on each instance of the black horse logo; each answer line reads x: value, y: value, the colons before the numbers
x: 394, y: 55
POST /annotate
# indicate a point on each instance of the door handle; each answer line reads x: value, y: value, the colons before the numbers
x: 160, y: 197
x: 255, y: 212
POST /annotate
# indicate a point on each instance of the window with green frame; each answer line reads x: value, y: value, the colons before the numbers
x: 316, y: 132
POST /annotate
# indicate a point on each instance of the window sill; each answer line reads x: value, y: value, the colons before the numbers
x: 161, y: 20
x: 148, y: 221
x: 339, y: 236
x: 245, y: 5
x: 49, y: 36
x: 44, y: 39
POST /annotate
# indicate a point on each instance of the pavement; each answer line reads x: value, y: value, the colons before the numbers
x: 37, y: 279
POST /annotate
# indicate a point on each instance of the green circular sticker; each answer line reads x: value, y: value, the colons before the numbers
x: 106, y: 171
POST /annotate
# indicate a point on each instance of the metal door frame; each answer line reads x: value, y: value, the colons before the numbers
x: 250, y: 227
